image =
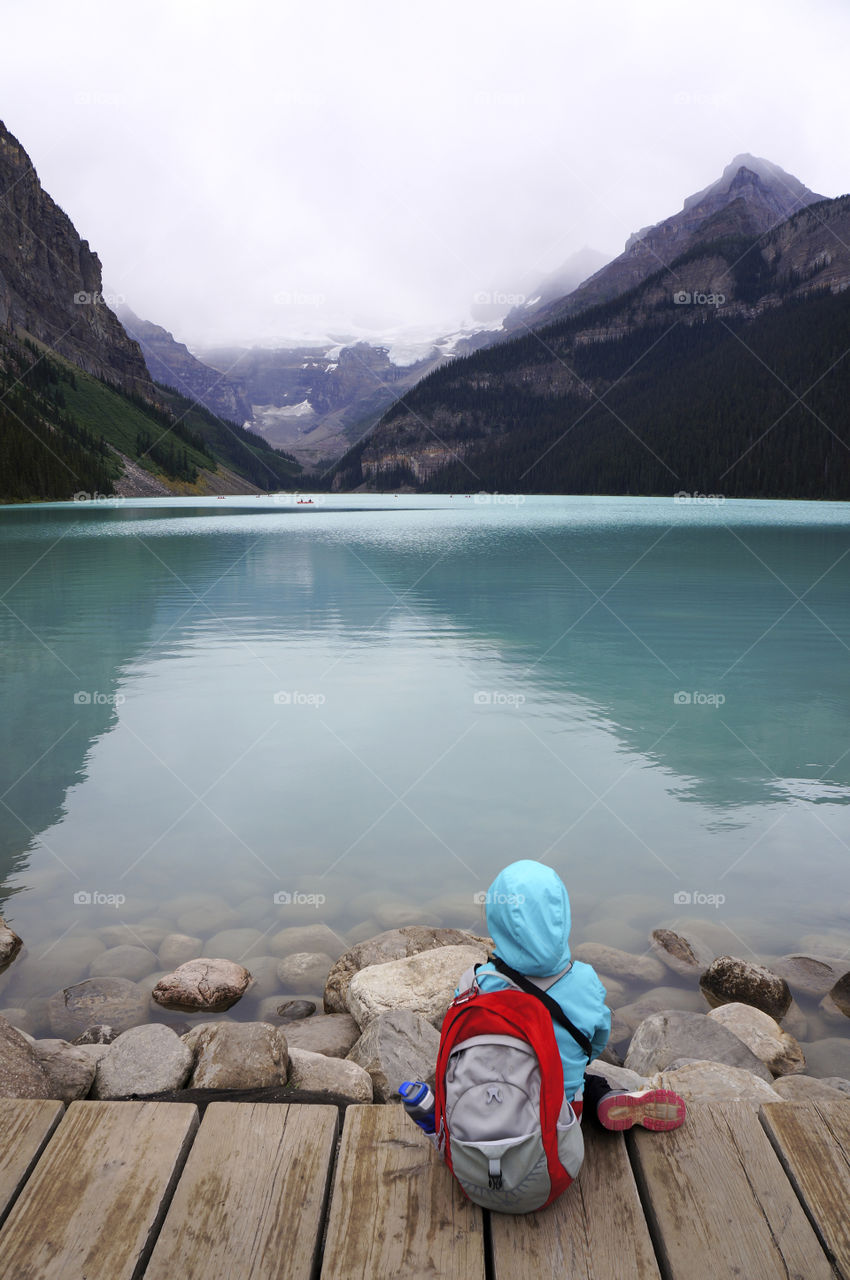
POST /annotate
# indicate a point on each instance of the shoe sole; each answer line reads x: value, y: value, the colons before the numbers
x: 659, y: 1109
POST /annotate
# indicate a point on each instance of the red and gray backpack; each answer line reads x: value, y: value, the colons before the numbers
x: 502, y: 1123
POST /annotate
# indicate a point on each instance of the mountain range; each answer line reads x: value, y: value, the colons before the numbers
x: 711, y: 356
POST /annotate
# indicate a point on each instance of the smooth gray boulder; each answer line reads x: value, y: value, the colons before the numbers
x: 204, y: 985
x: 393, y: 944
x: 237, y: 1055
x: 21, y: 1073
x: 728, y: 980
x: 334, y: 1076
x: 316, y: 937
x: 69, y: 1070
x: 663, y: 1037
x: 118, y: 1002
x: 396, y: 1046
x: 147, y: 1059
x: 296, y: 1010
x: 778, y: 1050
x: 332, y: 1034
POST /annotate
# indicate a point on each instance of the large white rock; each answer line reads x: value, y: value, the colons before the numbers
x: 329, y: 1075
x: 237, y: 1055
x: 424, y: 983
x: 778, y: 1050
x: 714, y: 1082
x: 393, y: 944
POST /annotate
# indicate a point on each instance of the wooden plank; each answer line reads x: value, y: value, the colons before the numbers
x: 718, y: 1202
x: 25, y: 1126
x: 99, y: 1192
x: 812, y: 1140
x: 251, y: 1199
x: 395, y: 1209
x: 594, y: 1231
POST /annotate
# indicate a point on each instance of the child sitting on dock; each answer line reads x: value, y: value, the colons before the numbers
x: 509, y: 1095
x: 528, y: 918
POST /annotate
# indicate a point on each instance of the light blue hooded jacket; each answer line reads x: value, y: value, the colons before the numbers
x: 528, y: 916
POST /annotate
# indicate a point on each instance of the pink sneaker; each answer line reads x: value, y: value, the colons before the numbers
x: 652, y: 1108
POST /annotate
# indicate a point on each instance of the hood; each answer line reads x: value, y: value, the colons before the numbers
x: 528, y: 916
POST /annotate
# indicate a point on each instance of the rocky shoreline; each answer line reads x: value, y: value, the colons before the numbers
x: 741, y: 1036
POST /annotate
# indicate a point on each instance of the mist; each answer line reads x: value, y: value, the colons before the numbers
x: 275, y: 172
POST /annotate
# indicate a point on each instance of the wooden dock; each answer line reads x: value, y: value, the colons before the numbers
x: 263, y: 1191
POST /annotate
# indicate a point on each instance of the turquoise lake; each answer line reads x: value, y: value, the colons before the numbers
x: 357, y: 711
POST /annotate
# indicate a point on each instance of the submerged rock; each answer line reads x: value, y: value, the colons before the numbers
x: 177, y: 949
x: 206, y: 985
x: 396, y: 1046
x: 99, y: 1034
x: 237, y: 1055
x: 664, y: 1037
x: 840, y: 995
x: 10, y: 945
x: 728, y: 980
x: 115, y: 1001
x: 424, y: 983
x: 123, y: 962
x: 335, y: 1076
x: 393, y: 944
x: 811, y: 975
x: 295, y: 1010
x: 685, y: 956
x: 304, y: 971
x: 147, y: 1059
x: 620, y: 964
x: 778, y: 1050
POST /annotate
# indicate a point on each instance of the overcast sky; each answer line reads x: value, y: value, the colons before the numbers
x: 254, y: 169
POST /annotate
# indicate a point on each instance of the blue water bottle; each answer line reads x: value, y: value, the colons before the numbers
x: 418, y: 1103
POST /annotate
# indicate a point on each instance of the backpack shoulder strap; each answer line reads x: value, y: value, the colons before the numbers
x: 554, y: 1008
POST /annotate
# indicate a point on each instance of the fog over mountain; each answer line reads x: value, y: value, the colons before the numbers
x: 285, y: 174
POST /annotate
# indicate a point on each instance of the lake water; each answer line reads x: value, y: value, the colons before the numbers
x: 249, y: 713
